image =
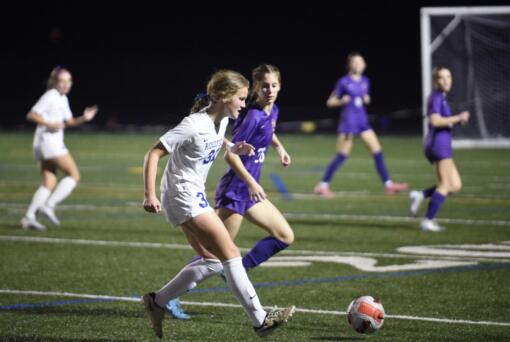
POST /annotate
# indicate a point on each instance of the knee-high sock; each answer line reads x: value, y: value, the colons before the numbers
x: 40, y: 197
x: 429, y: 191
x: 263, y: 250
x: 380, y: 165
x: 63, y: 189
x: 339, y: 159
x: 436, y: 201
x: 243, y: 289
x: 188, y: 278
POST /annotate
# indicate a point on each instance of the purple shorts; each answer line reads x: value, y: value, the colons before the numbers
x: 434, y: 154
x: 236, y: 206
x: 353, y: 124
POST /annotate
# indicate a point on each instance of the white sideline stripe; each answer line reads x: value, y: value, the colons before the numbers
x: 392, y: 218
x: 135, y: 244
x: 228, y: 305
x: 315, y: 216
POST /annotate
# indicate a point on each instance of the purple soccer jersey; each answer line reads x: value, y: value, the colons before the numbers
x: 353, y: 117
x: 438, y: 143
x: 256, y: 127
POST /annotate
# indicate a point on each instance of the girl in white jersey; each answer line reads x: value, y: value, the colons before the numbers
x: 192, y: 146
x: 52, y: 114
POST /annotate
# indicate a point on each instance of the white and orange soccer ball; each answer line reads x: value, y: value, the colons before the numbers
x: 365, y: 315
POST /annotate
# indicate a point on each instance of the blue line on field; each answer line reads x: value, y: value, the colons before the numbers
x: 280, y: 186
x: 296, y: 282
x: 23, y: 306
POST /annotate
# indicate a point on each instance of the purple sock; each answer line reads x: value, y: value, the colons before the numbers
x: 263, y: 250
x: 429, y: 191
x: 436, y: 201
x: 333, y: 166
x: 381, y: 167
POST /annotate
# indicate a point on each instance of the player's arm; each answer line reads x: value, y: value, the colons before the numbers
x: 88, y: 114
x: 236, y: 164
x: 278, y: 146
x: 436, y: 120
x: 334, y: 101
x: 38, y: 119
x: 150, y: 170
x: 241, y: 147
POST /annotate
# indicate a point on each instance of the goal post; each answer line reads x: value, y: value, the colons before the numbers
x: 474, y: 43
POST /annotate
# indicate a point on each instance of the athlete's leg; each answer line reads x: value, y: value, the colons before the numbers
x: 267, y: 216
x: 343, y: 149
x: 374, y: 147
x: 210, y: 234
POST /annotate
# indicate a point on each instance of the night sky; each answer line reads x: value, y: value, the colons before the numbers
x: 144, y: 62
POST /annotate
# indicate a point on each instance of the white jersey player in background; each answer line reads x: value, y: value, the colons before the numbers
x: 192, y: 146
x: 52, y: 115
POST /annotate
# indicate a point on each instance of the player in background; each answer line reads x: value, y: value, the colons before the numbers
x: 352, y: 93
x: 52, y: 115
x: 192, y: 146
x: 438, y: 150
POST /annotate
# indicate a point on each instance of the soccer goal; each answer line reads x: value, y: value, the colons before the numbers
x: 474, y: 43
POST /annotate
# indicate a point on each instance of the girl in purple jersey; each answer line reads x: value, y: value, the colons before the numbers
x: 239, y: 193
x: 438, y: 150
x: 352, y: 93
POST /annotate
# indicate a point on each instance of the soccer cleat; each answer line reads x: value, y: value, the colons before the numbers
x: 393, y: 188
x: 427, y: 225
x: 173, y: 307
x: 416, y: 198
x: 155, y: 313
x: 49, y: 212
x: 274, y: 319
x: 32, y: 223
x: 323, y: 191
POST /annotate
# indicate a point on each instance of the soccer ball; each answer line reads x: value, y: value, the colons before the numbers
x: 365, y: 315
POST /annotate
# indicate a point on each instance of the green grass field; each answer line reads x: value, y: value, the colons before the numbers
x: 467, y: 294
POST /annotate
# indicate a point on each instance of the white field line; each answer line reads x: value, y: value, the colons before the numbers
x: 136, y: 244
x: 388, y: 218
x: 228, y: 305
x: 314, y: 216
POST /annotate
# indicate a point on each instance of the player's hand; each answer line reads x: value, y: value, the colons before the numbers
x: 243, y: 148
x: 284, y: 157
x: 89, y: 113
x: 345, y: 99
x: 464, y: 117
x: 151, y: 204
x: 366, y: 99
x: 53, y: 126
x: 256, y: 192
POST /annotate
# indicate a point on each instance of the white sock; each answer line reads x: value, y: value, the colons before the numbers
x: 243, y: 289
x: 63, y: 189
x: 39, y: 198
x: 388, y: 183
x: 324, y: 185
x: 188, y: 278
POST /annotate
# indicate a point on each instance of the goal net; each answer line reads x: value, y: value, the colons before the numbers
x: 474, y: 43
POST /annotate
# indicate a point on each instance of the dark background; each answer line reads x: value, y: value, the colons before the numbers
x: 143, y: 62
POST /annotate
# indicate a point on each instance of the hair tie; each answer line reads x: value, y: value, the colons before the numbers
x: 201, y: 96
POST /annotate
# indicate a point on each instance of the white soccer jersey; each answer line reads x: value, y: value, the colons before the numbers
x: 52, y: 107
x: 193, y: 145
